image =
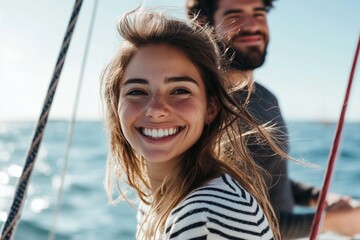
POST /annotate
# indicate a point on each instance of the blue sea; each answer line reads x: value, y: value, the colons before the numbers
x: 85, y: 213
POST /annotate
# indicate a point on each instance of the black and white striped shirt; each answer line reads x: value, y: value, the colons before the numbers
x: 221, y: 209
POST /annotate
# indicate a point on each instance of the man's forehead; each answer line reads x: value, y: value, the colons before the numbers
x: 240, y: 4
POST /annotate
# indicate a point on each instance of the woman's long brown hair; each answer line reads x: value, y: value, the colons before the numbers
x: 221, y: 147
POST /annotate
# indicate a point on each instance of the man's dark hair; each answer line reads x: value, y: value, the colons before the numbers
x: 206, y: 9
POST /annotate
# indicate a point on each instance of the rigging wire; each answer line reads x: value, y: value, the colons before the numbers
x: 21, y: 189
x: 333, y: 153
x: 71, y: 127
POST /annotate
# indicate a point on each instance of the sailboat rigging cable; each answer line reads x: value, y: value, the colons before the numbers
x: 333, y: 153
x: 71, y: 127
x: 15, y: 210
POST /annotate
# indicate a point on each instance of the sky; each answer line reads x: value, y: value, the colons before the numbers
x: 311, y: 49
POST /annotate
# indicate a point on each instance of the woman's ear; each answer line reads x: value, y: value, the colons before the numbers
x: 212, y: 110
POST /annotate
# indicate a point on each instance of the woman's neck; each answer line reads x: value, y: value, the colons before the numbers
x: 157, y: 172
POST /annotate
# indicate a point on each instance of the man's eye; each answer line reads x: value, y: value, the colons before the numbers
x: 135, y: 93
x: 233, y: 17
x: 181, y: 91
x: 260, y: 15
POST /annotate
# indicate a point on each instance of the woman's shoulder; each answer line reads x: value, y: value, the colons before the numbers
x: 222, y: 207
x: 223, y: 192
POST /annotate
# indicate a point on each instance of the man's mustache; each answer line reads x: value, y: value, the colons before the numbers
x: 240, y: 33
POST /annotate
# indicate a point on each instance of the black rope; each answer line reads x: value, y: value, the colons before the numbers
x: 71, y: 127
x: 15, y: 210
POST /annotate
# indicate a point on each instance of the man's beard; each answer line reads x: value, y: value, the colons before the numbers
x: 250, y: 60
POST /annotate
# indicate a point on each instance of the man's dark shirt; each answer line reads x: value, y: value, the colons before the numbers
x: 284, y: 193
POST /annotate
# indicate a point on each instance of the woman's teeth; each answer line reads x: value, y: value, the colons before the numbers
x: 159, y: 133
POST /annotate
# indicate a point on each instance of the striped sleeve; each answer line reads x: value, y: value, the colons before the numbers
x: 220, y: 210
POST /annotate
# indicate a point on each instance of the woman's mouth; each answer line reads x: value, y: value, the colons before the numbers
x: 159, y: 133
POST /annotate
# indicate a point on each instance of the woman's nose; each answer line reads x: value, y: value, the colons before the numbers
x: 157, y: 108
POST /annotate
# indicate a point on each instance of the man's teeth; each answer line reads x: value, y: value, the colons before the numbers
x: 158, y: 133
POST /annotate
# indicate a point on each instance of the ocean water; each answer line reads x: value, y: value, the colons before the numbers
x: 85, y: 213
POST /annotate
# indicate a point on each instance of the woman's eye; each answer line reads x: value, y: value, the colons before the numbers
x: 181, y: 91
x: 135, y: 93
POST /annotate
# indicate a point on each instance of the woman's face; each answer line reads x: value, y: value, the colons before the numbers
x: 162, y: 103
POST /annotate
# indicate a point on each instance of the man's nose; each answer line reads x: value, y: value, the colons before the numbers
x: 249, y: 24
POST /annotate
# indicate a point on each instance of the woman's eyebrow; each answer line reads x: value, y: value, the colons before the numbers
x: 135, y: 81
x: 167, y: 80
x: 181, y: 79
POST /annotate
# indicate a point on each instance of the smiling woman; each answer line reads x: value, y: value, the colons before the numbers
x: 162, y: 92
x: 171, y: 124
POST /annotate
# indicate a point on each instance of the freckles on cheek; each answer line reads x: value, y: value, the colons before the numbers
x: 125, y: 110
x: 191, y: 109
x: 125, y: 119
